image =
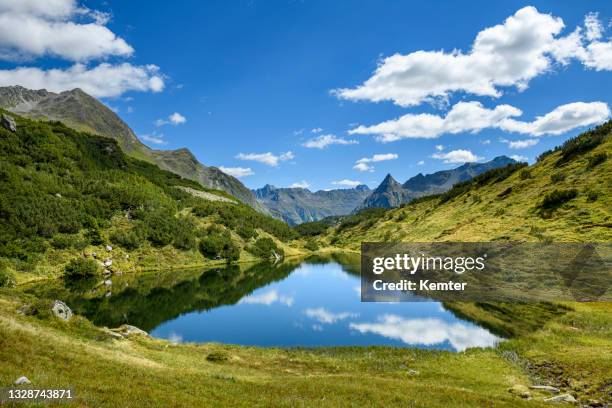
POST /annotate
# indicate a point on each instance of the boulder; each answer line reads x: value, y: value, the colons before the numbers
x: 61, y: 310
x: 108, y: 282
x: 22, y: 380
x: 108, y: 262
x: 562, y: 398
x: 552, y: 390
x: 109, y: 248
x: 8, y: 123
x: 127, y: 330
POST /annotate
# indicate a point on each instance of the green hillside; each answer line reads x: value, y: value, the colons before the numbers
x: 565, y: 196
x: 65, y: 194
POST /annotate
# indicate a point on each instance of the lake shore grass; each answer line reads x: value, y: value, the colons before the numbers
x: 572, y: 350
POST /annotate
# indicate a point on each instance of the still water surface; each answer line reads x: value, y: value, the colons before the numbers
x: 312, y: 303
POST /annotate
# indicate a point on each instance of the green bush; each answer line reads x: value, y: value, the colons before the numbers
x: 584, y: 142
x: 557, y: 198
x: 81, y: 268
x: 596, y: 159
x: 264, y: 247
x: 126, y: 239
x: 311, y: 229
x: 7, y: 279
x: 219, y: 245
x: 311, y: 245
x: 557, y: 177
x: 63, y: 241
x: 525, y: 174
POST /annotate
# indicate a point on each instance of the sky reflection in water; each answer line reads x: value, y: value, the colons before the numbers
x: 319, y: 305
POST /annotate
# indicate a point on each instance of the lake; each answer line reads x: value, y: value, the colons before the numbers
x: 309, y: 303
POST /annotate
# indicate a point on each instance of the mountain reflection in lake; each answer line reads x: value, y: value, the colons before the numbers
x: 312, y: 303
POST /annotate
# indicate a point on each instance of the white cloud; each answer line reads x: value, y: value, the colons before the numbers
x: 594, y: 29
x: 300, y: 184
x: 347, y: 182
x: 486, y: 141
x: 103, y: 80
x: 439, y: 148
x: 268, y: 298
x: 324, y: 316
x: 561, y: 119
x: 420, y: 163
x: 237, y: 171
x: 154, y: 138
x: 316, y: 130
x: 321, y: 142
x: 520, y: 144
x: 457, y: 156
x: 54, y: 28
x: 266, y: 158
x: 474, y: 117
x: 428, y: 332
x: 173, y: 119
x: 510, y: 54
x: 519, y: 158
x: 362, y: 164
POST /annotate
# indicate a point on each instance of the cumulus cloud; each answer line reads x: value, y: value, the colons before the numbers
x: 520, y: 144
x: 428, y: 332
x: 457, y: 156
x: 237, y: 171
x: 347, y: 183
x: 316, y: 130
x: 519, y: 158
x: 104, y: 80
x: 30, y: 28
x: 266, y: 158
x: 510, y: 54
x: 439, y: 148
x: 363, y: 163
x: 268, y: 298
x: 324, y: 316
x: 561, y: 119
x: 321, y: 142
x: 174, y: 119
x: 300, y: 184
x: 474, y: 117
x: 154, y: 138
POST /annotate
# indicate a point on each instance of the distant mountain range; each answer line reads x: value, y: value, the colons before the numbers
x: 298, y: 205
x: 83, y: 112
x: 391, y: 193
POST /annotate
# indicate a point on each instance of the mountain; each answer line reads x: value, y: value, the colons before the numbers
x: 83, y: 112
x: 564, y: 197
x: 298, y: 205
x: 390, y: 193
x: 65, y: 193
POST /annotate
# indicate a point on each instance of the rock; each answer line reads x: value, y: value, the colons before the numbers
x: 22, y: 380
x: 8, y: 123
x: 94, y: 255
x: 520, y: 391
x: 108, y: 282
x: 595, y: 403
x: 127, y: 256
x: 109, y: 248
x: 108, y: 294
x: 61, y: 310
x: 127, y: 330
x: 562, y: 398
x: 106, y: 272
x: 413, y: 372
x: 552, y: 390
x: 108, y: 262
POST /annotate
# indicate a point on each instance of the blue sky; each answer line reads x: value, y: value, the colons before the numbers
x: 248, y: 78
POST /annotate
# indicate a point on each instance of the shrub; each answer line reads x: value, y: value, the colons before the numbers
x: 596, y: 159
x: 592, y: 196
x: 81, y: 268
x: 63, y: 241
x: 264, y: 247
x: 217, y: 356
x: 246, y: 231
x: 7, y: 278
x: 557, y: 198
x: 219, y: 245
x: 557, y: 177
x: 311, y: 229
x: 526, y: 174
x: 311, y: 245
x: 126, y: 239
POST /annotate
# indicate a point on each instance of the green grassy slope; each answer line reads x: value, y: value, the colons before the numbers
x: 64, y: 193
x: 509, y: 209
